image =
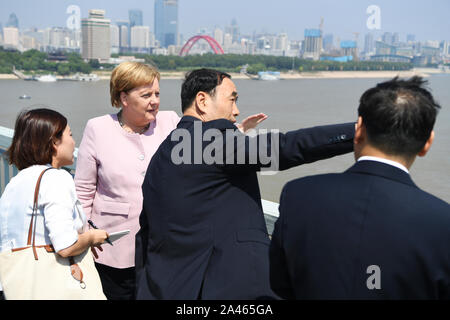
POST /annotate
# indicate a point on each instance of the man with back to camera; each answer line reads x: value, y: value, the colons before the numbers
x: 370, y: 232
x: 203, y: 233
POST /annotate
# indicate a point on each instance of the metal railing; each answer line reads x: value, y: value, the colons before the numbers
x: 7, y: 172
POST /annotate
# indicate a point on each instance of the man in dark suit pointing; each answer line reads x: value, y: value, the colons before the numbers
x: 203, y: 234
x: 370, y: 232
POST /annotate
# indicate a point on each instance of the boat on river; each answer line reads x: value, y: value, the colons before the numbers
x: 92, y: 77
x: 46, y: 78
x: 268, y: 75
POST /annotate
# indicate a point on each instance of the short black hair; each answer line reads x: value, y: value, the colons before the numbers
x: 205, y: 80
x: 399, y: 115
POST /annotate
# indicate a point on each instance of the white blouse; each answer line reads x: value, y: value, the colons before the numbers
x: 60, y: 215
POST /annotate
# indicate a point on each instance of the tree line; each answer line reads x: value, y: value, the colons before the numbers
x: 234, y: 63
x: 35, y: 61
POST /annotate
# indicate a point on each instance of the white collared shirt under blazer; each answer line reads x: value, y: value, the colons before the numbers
x: 60, y: 217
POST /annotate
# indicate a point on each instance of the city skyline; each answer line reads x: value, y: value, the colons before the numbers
x: 343, y: 18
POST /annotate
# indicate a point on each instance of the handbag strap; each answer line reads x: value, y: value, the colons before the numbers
x: 31, y: 230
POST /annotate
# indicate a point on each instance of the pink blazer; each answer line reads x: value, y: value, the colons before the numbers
x: 111, y: 166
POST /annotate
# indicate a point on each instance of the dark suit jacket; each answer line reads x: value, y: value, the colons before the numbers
x: 371, y: 215
x: 203, y: 233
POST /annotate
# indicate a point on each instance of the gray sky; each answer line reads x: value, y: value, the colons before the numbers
x: 428, y: 20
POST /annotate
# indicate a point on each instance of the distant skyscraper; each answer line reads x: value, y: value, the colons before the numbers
x: 29, y: 43
x: 349, y: 48
x: 11, y: 37
x: 60, y: 38
x: 312, y: 45
x: 369, y: 43
x: 114, y: 33
x: 328, y: 42
x: 234, y: 31
x: 124, y: 35
x: 96, y: 36
x: 140, y: 38
x: 281, y: 42
x: 227, y: 41
x: 388, y: 38
x: 135, y: 18
x: 218, y: 35
x: 396, y: 39
x: 13, y: 21
x: 445, y: 46
x: 166, y: 22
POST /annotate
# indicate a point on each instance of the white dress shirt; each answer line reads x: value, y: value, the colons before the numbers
x: 386, y: 161
x: 60, y: 217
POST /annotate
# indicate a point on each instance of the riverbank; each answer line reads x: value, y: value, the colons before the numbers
x: 424, y: 72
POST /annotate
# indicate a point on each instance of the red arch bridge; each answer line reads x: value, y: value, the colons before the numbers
x: 215, y: 46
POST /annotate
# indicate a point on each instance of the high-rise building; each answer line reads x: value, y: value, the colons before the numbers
x: 61, y: 38
x: 166, y: 22
x: 312, y: 46
x: 152, y: 40
x: 46, y: 36
x: 227, y: 42
x: 96, y: 37
x: 369, y: 44
x: 29, y: 43
x: 349, y: 48
x: 115, y: 40
x: 218, y: 36
x: 11, y: 37
x: 234, y: 31
x: 445, y: 46
x: 388, y: 38
x: 124, y: 35
x: 13, y: 21
x: 135, y: 17
x: 140, y: 38
x: 328, y: 40
x: 396, y: 39
x: 281, y: 42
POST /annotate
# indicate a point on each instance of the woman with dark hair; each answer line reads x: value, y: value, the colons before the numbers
x: 42, y: 139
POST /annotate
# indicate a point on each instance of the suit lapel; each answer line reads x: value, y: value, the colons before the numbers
x: 383, y: 170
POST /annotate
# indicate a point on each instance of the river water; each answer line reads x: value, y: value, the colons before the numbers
x: 290, y: 104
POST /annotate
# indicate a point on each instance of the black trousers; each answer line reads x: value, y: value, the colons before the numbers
x: 118, y: 284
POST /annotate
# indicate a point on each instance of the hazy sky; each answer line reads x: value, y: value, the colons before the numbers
x: 428, y: 20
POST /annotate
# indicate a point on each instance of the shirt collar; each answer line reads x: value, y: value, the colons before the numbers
x: 386, y: 161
